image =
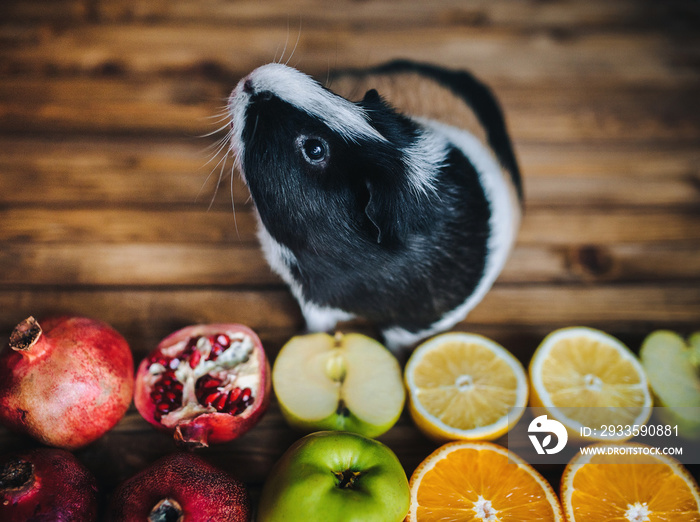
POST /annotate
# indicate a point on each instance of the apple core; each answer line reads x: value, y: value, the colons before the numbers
x: 346, y: 478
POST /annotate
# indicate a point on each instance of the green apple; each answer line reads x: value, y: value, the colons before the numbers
x: 335, y: 476
x: 673, y: 367
x: 346, y: 382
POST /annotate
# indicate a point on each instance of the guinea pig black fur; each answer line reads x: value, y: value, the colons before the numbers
x: 399, y: 207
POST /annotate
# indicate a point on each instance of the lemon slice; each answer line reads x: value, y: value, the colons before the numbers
x: 586, y: 378
x: 464, y: 386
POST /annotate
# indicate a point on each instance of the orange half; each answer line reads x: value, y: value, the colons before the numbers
x: 480, y: 481
x: 628, y: 488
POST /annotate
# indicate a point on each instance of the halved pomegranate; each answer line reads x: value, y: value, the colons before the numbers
x: 207, y: 383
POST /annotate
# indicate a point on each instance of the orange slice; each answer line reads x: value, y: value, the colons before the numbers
x: 480, y: 481
x: 464, y: 386
x: 586, y: 378
x: 628, y: 488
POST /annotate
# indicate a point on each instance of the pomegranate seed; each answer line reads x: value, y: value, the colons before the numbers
x: 219, y: 343
x: 220, y: 402
x: 209, y: 399
x: 235, y: 394
x: 246, y: 394
x: 159, y: 359
x: 207, y: 381
x: 166, y: 394
x: 195, y: 358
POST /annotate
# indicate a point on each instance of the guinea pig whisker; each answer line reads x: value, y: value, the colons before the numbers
x: 295, y: 43
x: 220, y: 116
x: 233, y: 202
x: 255, y: 127
x: 221, y: 166
x: 224, y: 142
x: 284, y: 49
x: 220, y: 146
x: 217, y: 131
x: 222, y: 162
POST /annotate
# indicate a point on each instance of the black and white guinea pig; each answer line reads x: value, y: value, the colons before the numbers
x: 396, y: 197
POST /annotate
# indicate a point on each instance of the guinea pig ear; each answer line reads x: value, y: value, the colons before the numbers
x: 372, y: 211
x: 372, y: 97
x: 386, y: 213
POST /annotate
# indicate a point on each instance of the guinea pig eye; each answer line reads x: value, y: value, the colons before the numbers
x: 314, y: 150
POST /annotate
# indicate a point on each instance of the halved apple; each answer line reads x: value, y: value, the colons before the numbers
x: 673, y: 369
x: 346, y: 382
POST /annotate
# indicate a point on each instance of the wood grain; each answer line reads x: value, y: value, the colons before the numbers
x: 197, y: 225
x: 112, y: 170
x: 559, y: 112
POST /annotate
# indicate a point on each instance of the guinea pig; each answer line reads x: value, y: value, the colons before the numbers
x: 395, y: 197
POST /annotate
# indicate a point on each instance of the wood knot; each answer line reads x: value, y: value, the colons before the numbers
x: 592, y: 260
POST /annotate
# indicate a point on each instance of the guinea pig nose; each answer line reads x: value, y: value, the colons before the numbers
x: 248, y: 86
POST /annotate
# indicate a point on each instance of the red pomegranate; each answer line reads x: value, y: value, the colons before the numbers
x: 65, y: 382
x: 180, y: 487
x: 206, y: 383
x: 46, y: 484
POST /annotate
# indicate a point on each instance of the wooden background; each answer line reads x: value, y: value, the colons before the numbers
x: 108, y: 209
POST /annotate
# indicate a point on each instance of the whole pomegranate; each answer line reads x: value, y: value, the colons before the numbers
x: 180, y: 487
x: 65, y: 382
x: 46, y: 484
x: 206, y: 383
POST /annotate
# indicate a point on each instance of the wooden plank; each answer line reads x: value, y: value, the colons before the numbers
x: 496, y: 54
x: 529, y: 264
x: 127, y: 225
x: 634, y: 161
x: 55, y: 11
x: 148, y: 265
x: 562, y: 226
x: 79, y: 171
x: 584, y: 227
x: 383, y: 13
x: 187, y: 106
x: 34, y: 265
x: 143, y: 316
x: 567, y: 16
x: 153, y: 172
x: 644, y: 305
x: 614, y: 174
x: 610, y: 191
x: 193, y: 107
